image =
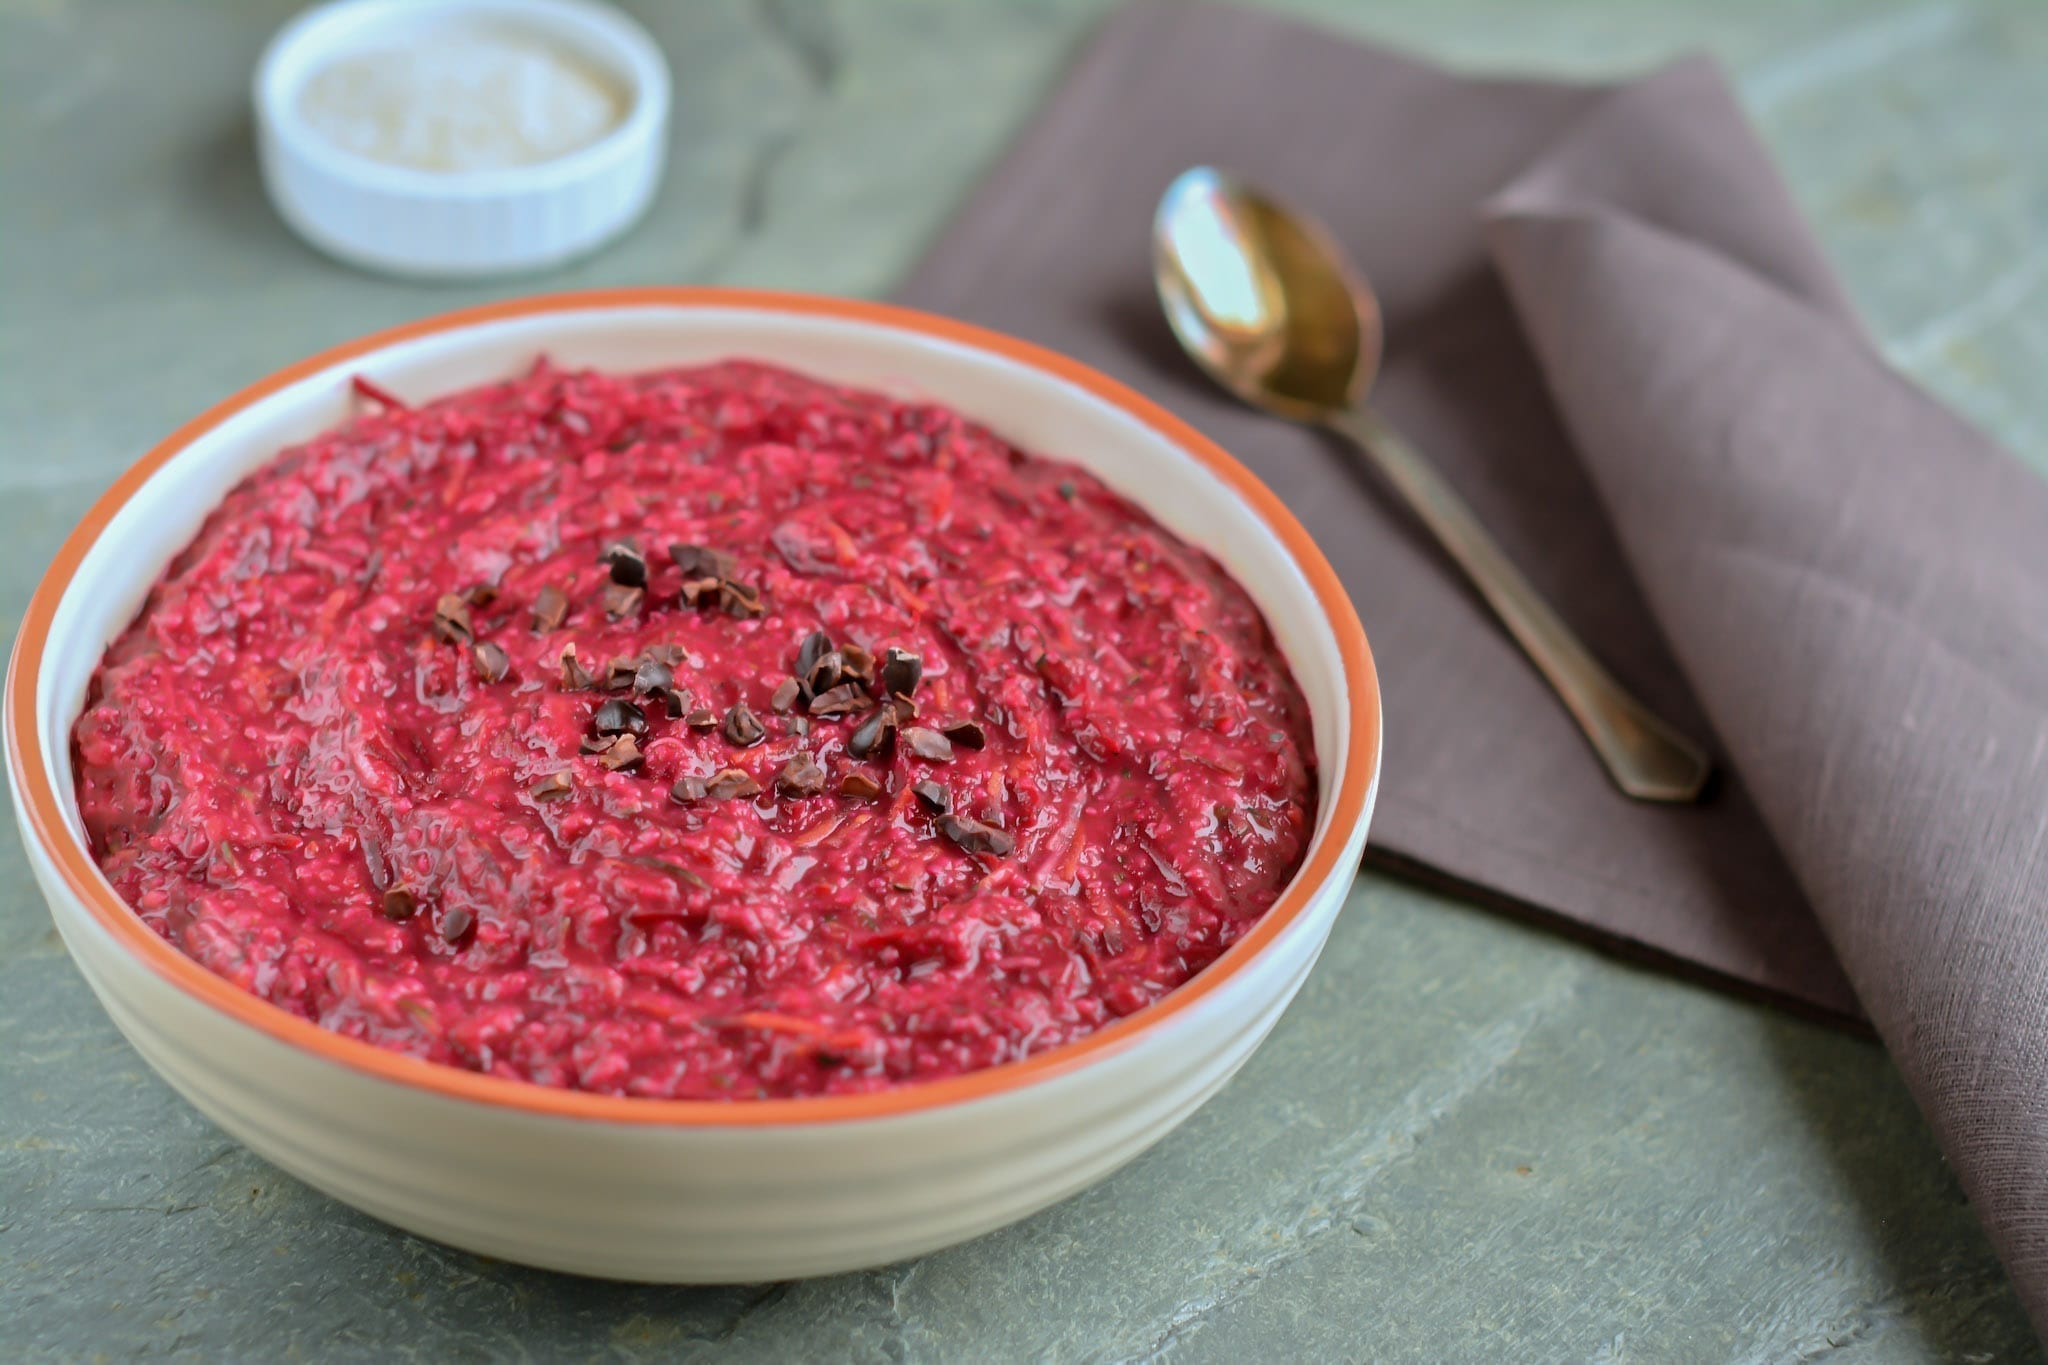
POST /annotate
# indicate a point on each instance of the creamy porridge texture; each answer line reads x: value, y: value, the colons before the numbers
x: 705, y: 733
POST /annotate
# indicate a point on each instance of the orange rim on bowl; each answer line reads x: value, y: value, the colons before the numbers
x: 44, y: 804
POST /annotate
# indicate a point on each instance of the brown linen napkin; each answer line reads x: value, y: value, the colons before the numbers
x: 1610, y: 326
x: 1486, y: 780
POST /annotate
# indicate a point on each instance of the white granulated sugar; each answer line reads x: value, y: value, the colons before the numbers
x: 461, y: 100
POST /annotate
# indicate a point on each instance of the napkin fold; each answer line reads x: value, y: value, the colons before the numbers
x: 1609, y: 324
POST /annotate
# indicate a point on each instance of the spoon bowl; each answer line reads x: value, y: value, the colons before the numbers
x: 1262, y: 299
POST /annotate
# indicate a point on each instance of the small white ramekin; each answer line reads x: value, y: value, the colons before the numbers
x: 429, y: 224
x: 687, y: 1190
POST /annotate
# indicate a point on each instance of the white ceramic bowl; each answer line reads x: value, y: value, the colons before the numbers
x: 671, y: 1190
x: 403, y: 221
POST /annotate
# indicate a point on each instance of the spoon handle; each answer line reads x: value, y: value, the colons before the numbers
x: 1646, y: 757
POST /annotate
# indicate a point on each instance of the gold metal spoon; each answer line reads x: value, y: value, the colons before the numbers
x: 1265, y: 301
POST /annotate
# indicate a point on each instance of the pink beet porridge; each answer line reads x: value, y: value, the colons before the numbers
x: 705, y: 733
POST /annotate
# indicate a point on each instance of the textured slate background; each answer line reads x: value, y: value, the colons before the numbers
x: 1467, y: 1140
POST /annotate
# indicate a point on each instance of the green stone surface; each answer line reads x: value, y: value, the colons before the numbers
x: 1467, y: 1140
